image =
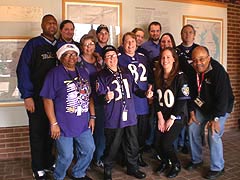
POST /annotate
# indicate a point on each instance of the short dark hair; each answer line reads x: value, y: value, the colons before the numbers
x: 204, y: 48
x: 188, y: 25
x: 171, y: 37
x: 65, y: 22
x: 101, y: 27
x: 47, y: 16
x: 155, y: 23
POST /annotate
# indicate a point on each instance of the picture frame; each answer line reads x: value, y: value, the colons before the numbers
x: 10, y: 50
x: 20, y: 21
x: 209, y: 33
x: 88, y: 15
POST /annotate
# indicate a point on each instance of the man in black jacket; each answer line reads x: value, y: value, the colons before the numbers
x: 37, y: 58
x: 212, y: 101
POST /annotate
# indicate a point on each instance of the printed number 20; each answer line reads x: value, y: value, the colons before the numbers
x: 167, y: 98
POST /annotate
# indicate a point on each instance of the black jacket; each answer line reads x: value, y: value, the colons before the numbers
x: 216, y: 91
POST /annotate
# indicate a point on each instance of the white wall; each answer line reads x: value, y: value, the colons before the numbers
x: 13, y: 116
x: 16, y: 116
x: 171, y: 13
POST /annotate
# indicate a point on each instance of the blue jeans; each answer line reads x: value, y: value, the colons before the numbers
x: 214, y: 141
x: 98, y: 134
x: 85, y: 147
x: 180, y: 140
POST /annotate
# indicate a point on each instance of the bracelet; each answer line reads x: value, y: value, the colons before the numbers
x: 172, y: 117
x: 54, y: 124
x: 92, y: 117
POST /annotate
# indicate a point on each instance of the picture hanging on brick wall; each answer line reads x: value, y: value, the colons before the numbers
x: 209, y: 33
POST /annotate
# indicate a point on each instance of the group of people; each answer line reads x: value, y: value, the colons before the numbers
x: 93, y: 101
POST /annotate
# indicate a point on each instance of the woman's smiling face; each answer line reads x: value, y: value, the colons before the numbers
x: 167, y: 59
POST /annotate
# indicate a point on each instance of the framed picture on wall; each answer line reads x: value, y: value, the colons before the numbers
x: 10, y: 50
x: 19, y: 20
x: 87, y: 16
x: 209, y: 33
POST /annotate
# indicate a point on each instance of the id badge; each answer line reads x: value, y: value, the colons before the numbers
x: 79, y: 111
x: 124, y: 114
x: 199, y: 102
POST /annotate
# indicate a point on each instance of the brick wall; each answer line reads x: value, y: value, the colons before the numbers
x: 14, y: 141
x: 233, y: 61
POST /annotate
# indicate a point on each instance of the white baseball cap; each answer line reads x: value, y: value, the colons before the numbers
x: 65, y: 48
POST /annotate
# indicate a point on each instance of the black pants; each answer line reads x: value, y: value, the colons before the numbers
x: 164, y: 142
x: 143, y: 130
x: 40, y: 140
x: 128, y: 137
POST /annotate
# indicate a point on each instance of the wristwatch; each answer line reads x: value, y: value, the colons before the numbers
x: 216, y: 119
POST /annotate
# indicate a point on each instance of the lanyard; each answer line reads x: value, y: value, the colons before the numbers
x: 199, y: 83
x: 118, y: 76
x: 70, y: 76
x: 78, y: 82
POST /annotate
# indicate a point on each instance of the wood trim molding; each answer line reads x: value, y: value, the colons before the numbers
x: 12, y: 104
x: 201, y: 2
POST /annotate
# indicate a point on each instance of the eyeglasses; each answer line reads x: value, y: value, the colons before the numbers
x: 110, y: 56
x: 200, y: 59
x: 89, y: 44
x: 69, y: 55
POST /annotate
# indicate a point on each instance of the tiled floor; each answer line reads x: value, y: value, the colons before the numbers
x: 20, y: 169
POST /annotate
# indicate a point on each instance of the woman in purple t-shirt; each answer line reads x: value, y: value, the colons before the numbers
x: 67, y: 100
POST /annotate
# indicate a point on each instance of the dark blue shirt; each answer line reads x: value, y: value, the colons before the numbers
x: 152, y: 49
x: 37, y: 58
x: 99, y: 49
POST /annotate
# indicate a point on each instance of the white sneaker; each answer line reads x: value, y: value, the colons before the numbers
x: 99, y: 163
x: 40, y: 175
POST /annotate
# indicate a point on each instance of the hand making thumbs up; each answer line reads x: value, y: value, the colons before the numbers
x: 149, y: 93
x: 110, y: 95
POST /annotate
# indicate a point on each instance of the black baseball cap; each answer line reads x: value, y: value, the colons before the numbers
x: 108, y: 48
x: 101, y: 27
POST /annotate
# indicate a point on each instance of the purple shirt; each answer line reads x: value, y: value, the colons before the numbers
x: 92, y: 69
x: 70, y: 91
x: 99, y: 49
